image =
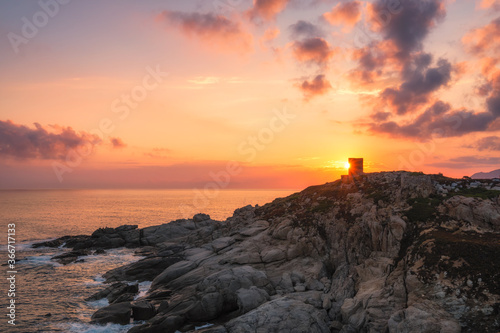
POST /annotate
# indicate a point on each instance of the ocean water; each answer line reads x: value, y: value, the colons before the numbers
x: 49, y: 296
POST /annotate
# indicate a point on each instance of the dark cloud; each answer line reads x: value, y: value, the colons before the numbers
x: 117, y: 143
x: 488, y: 143
x: 419, y: 82
x: 22, y: 142
x: 407, y: 23
x: 315, y: 87
x: 315, y: 50
x: 403, y: 27
x: 439, y: 120
x: 305, y: 29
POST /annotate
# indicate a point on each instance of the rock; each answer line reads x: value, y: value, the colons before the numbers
x: 222, y: 243
x: 387, y: 252
x: 249, y: 299
x: 143, y: 270
x: 119, y: 313
x: 300, y: 288
x: 209, y: 307
x: 201, y: 217
x: 281, y: 315
x: 69, y: 257
x: 164, y: 324
x: 173, y: 272
x: 128, y: 297
x: 219, y: 292
x: 143, y: 310
x: 66, y: 241
x: 270, y: 255
x: 114, y: 291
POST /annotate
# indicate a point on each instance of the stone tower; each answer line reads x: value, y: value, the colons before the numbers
x: 355, y: 167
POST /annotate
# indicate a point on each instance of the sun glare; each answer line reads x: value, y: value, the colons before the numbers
x: 347, y: 165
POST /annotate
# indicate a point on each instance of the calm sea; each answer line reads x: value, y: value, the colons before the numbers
x: 49, y: 296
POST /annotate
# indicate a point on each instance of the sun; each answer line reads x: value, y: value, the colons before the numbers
x: 347, y: 165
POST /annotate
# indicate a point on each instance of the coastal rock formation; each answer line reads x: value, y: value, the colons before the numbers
x: 386, y: 252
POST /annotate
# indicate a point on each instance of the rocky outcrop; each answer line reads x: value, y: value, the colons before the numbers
x: 116, y: 292
x: 387, y: 252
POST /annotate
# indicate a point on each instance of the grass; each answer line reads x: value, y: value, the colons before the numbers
x: 422, y: 209
x: 322, y: 207
x: 478, y: 192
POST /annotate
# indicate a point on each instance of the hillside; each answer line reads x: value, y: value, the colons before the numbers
x: 393, y: 251
x: 487, y: 175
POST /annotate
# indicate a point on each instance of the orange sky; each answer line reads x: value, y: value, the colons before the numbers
x: 164, y: 94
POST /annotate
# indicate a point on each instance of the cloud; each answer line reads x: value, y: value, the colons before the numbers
x: 266, y: 10
x: 347, y: 14
x: 117, y: 143
x: 204, y: 80
x: 408, y: 78
x: 465, y: 162
x: 487, y: 143
x: 22, y: 142
x: 211, y: 28
x: 438, y: 120
x: 419, y: 82
x: 486, y: 4
x: 315, y: 87
x: 313, y: 50
x: 476, y: 160
x: 305, y: 29
x: 410, y: 23
x: 403, y: 30
x: 159, y: 153
x: 484, y: 43
x: 270, y: 34
x: 483, y: 40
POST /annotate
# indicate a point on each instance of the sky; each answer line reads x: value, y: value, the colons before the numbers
x: 258, y: 94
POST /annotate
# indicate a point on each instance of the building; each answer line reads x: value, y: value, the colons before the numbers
x: 355, y: 167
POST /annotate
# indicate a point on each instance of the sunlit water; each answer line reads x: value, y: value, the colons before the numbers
x: 49, y: 296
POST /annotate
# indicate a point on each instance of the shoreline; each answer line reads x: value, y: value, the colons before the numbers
x: 319, y: 252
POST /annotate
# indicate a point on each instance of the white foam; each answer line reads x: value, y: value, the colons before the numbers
x: 90, y: 328
x: 100, y: 303
x: 203, y: 326
x: 143, y: 289
x: 40, y: 261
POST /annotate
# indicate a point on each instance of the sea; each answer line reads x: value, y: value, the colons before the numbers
x: 50, y: 297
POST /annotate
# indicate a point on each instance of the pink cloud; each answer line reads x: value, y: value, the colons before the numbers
x: 347, y: 14
x: 117, y: 143
x: 214, y: 30
x: 267, y: 9
x: 315, y: 87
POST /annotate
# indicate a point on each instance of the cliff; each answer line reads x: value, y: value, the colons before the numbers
x: 393, y: 251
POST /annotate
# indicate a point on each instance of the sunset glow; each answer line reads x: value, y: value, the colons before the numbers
x: 167, y: 93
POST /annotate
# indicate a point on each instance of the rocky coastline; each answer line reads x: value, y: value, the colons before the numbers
x: 386, y: 252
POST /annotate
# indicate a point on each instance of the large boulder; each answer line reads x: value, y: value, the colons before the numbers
x: 118, y: 313
x: 173, y: 272
x: 143, y: 310
x: 114, y: 291
x: 143, y: 270
x: 281, y: 315
x: 219, y: 292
